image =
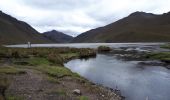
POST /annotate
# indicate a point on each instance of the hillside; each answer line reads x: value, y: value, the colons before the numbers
x: 58, y: 37
x: 13, y: 31
x: 137, y: 27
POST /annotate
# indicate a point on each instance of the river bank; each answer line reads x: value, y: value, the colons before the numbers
x: 39, y: 74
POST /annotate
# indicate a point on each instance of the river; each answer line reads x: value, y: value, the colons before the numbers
x: 136, y: 81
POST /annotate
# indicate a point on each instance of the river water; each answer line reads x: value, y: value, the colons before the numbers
x: 136, y: 82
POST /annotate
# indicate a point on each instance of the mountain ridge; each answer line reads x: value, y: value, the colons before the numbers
x: 14, y: 31
x: 57, y: 36
x: 137, y: 27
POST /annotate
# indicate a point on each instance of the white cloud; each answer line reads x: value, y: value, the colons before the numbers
x: 77, y: 16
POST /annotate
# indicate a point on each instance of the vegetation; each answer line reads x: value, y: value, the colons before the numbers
x: 45, y: 66
x: 163, y: 56
x: 104, y: 48
x: 166, y: 46
x: 85, y: 53
x: 46, y: 60
x: 12, y: 97
x: 10, y: 70
x: 4, y: 83
x: 84, y: 98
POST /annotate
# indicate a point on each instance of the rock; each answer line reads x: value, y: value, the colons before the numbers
x: 166, y: 60
x: 77, y: 92
x: 168, y: 66
x: 152, y: 63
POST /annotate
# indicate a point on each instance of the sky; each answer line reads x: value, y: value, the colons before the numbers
x: 77, y: 16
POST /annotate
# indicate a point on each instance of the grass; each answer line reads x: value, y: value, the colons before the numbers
x: 10, y: 70
x: 38, y: 61
x: 4, y: 83
x: 166, y: 46
x: 55, y: 71
x: 52, y: 79
x: 159, y: 56
x: 66, y: 56
x: 61, y: 92
x: 11, y: 97
x: 83, y: 98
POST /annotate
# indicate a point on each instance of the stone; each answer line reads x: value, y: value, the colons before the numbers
x: 77, y: 92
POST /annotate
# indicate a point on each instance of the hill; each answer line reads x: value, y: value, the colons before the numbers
x: 13, y: 31
x: 137, y: 27
x: 58, y: 37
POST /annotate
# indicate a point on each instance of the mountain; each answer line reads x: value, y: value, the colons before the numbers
x: 13, y: 31
x: 137, y: 27
x: 58, y: 37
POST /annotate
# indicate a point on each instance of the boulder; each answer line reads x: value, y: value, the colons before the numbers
x: 77, y: 92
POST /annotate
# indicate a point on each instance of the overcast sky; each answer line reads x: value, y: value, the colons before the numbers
x: 76, y: 16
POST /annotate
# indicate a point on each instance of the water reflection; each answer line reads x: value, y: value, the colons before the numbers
x: 134, y: 82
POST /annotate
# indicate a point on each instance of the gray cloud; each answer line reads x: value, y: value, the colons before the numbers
x: 76, y: 16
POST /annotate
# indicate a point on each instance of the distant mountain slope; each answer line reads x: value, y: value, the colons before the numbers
x: 13, y: 31
x: 137, y: 27
x: 58, y: 37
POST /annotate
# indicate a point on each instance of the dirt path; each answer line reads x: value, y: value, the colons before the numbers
x: 34, y: 86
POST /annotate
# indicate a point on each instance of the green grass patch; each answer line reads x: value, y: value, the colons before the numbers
x: 10, y: 70
x: 61, y: 92
x: 12, y: 97
x: 38, y: 61
x: 54, y: 71
x: 159, y: 56
x: 166, y: 46
x: 52, y: 79
x: 83, y: 98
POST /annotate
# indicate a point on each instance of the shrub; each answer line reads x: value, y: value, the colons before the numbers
x: 85, y: 53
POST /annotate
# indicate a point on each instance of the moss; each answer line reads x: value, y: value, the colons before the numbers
x: 10, y: 70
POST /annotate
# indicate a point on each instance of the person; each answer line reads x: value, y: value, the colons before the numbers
x: 29, y: 44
